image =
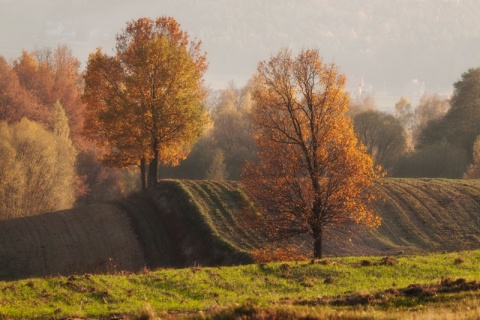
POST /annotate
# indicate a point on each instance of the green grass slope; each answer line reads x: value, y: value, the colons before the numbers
x: 434, y: 286
x: 187, y: 223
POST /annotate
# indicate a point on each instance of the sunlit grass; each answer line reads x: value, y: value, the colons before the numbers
x: 269, y: 287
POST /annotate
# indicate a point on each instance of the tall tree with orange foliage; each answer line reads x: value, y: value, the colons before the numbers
x: 52, y: 75
x: 312, y: 173
x: 15, y: 101
x: 145, y: 103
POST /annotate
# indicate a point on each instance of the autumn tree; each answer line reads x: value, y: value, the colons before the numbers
x: 52, y: 75
x: 217, y: 169
x: 404, y: 112
x: 17, y: 102
x: 144, y: 104
x: 59, y: 121
x: 360, y: 104
x: 312, y: 174
x: 37, y: 170
x: 430, y: 108
x: 45, y: 86
x: 232, y: 131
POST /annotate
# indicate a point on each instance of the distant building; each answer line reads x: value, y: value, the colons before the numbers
x: 357, y: 87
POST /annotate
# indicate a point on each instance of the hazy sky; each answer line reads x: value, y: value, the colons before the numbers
x: 396, y: 46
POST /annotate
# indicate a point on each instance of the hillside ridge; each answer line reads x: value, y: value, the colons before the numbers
x: 201, y: 222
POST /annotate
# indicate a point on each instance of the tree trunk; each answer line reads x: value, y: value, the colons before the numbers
x: 315, y: 223
x: 142, y: 173
x: 317, y: 243
x: 153, y: 171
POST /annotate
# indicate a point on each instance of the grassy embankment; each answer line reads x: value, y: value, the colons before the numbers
x: 419, y: 216
x: 185, y: 223
x: 338, y: 288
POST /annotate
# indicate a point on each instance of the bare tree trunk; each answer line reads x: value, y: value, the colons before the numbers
x: 153, y: 171
x: 317, y: 243
x: 315, y: 223
x: 143, y: 173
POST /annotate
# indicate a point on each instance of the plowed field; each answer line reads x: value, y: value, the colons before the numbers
x: 182, y: 223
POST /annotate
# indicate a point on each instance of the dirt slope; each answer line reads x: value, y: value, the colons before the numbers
x: 92, y: 239
x: 183, y: 223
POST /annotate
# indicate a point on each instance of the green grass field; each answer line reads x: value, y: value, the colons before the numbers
x: 337, y: 288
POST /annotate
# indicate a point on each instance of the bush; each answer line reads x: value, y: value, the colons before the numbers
x: 37, y: 172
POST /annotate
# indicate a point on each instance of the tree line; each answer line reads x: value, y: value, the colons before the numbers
x: 434, y: 139
x: 46, y: 162
x: 304, y: 149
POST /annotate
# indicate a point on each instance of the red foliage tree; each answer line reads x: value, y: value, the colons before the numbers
x: 15, y: 101
x: 51, y: 76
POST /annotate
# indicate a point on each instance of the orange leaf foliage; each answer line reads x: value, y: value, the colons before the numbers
x: 312, y: 173
x: 51, y: 76
x: 16, y: 102
x: 146, y: 101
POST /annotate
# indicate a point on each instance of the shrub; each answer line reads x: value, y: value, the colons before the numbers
x: 37, y: 172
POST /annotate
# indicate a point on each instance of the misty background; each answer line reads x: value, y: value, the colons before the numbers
x: 386, y: 48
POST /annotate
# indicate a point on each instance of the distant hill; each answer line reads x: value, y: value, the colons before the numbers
x: 186, y: 223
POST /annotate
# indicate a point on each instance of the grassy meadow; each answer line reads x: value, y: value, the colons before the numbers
x: 435, y: 286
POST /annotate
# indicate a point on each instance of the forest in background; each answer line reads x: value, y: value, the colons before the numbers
x: 43, y: 149
x: 46, y: 164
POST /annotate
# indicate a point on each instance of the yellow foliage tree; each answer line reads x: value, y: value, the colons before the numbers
x: 37, y: 170
x: 145, y: 104
x: 312, y: 173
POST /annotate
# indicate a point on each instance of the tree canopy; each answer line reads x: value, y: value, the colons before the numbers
x: 16, y: 101
x: 144, y: 104
x: 51, y: 76
x: 226, y: 144
x: 460, y: 125
x: 383, y: 135
x: 430, y: 108
x: 312, y: 173
x: 37, y: 170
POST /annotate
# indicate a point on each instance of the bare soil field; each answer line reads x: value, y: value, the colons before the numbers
x: 97, y: 238
x: 187, y: 223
